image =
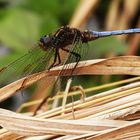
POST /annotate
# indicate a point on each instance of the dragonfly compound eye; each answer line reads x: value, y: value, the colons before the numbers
x: 45, y: 40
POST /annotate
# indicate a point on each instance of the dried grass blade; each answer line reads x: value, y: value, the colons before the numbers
x: 117, y: 65
x: 120, y: 133
x: 30, y: 126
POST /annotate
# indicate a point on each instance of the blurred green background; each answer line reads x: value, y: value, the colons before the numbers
x: 23, y: 22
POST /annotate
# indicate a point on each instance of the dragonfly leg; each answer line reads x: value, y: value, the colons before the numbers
x: 58, y: 56
x: 40, y: 105
x: 77, y: 56
x: 54, y: 61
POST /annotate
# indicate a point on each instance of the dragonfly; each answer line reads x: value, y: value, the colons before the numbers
x: 47, y: 53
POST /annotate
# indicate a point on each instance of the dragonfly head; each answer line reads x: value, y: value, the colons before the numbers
x: 45, y: 41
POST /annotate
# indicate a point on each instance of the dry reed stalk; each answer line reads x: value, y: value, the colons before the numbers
x: 90, y: 115
x: 112, y: 15
x: 83, y: 12
x: 6, y: 114
x: 121, y: 114
x: 92, y: 89
x: 117, y: 65
x: 30, y: 126
x: 128, y: 89
x: 134, y: 42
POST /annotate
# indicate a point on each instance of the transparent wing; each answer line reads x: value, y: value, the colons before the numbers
x: 76, y: 47
x: 79, y: 48
x: 34, y: 61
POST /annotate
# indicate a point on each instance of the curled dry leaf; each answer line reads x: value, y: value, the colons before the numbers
x: 92, y: 116
x: 124, y: 132
x: 129, y: 65
x: 30, y: 126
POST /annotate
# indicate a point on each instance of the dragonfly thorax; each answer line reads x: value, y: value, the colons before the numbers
x: 63, y: 37
x: 66, y: 36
